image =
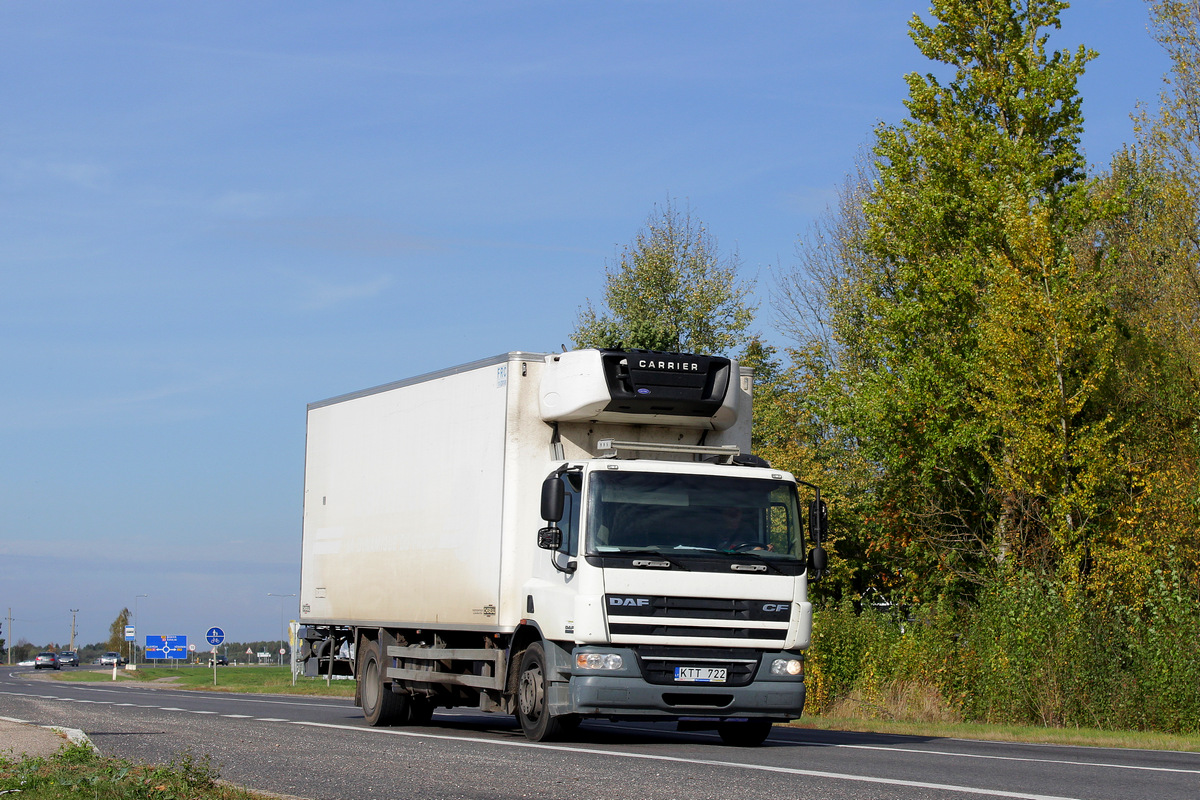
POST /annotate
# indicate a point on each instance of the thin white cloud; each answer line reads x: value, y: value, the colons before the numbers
x: 363, y: 237
x: 90, y: 176
x: 86, y: 176
x: 251, y: 204
x: 154, y: 404
x: 318, y: 294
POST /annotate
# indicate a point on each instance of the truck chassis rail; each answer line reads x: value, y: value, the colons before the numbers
x: 494, y: 681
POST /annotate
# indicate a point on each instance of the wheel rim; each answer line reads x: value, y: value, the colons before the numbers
x: 533, y: 693
x: 371, y: 687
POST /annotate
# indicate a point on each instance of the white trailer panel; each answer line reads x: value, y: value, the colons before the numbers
x: 387, y: 535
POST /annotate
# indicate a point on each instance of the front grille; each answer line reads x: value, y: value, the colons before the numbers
x: 734, y: 610
x: 656, y: 616
x: 659, y: 629
x: 658, y: 663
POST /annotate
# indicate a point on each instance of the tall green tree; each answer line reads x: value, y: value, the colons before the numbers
x: 672, y: 290
x: 1169, y: 145
x: 1152, y: 249
x: 116, y: 631
x: 1154, y: 391
x: 969, y: 342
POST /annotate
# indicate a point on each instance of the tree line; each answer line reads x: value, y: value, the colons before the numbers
x: 991, y: 366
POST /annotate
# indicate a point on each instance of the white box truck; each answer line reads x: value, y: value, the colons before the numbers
x: 560, y: 537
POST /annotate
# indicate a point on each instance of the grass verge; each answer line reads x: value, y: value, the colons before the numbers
x: 248, y: 680
x: 78, y: 771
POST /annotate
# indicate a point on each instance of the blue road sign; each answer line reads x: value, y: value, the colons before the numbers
x: 215, y: 636
x: 166, y: 647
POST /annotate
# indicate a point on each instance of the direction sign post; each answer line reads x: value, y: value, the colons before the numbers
x: 170, y: 647
x: 131, y: 639
x: 215, y: 636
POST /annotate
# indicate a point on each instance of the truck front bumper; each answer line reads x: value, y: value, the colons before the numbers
x: 625, y: 693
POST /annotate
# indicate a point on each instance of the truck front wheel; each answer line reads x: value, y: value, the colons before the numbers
x: 381, y: 706
x: 533, y: 707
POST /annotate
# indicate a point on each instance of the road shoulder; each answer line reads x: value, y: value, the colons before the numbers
x: 20, y: 737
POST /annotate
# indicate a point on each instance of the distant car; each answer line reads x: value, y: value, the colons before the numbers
x: 69, y: 658
x: 222, y: 661
x: 111, y: 659
x: 46, y: 660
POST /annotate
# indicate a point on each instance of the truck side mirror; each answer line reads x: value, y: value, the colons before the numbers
x: 818, y: 521
x: 818, y: 529
x: 817, y: 562
x: 550, y: 538
x: 552, y: 499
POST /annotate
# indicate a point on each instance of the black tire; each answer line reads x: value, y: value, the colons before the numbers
x: 532, y: 702
x: 420, y: 710
x: 744, y: 733
x: 381, y: 706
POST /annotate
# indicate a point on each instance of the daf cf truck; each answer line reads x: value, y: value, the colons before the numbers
x: 559, y: 537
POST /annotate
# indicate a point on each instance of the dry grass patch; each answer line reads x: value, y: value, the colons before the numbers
x: 899, y: 701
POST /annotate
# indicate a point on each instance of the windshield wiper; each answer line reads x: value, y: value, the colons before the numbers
x: 647, y: 558
x: 767, y: 562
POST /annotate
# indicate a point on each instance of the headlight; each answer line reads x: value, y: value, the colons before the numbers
x: 787, y: 666
x: 599, y: 661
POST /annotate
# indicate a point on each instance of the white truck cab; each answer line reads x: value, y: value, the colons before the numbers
x: 561, y: 537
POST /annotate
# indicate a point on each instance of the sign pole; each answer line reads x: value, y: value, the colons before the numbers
x: 215, y: 636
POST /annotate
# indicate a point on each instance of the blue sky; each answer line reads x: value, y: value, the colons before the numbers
x: 213, y: 214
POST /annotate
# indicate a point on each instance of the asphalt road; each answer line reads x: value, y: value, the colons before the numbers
x: 319, y: 748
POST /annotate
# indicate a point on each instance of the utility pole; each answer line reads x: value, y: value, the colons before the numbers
x: 281, y: 602
x: 9, y: 643
x: 74, y: 611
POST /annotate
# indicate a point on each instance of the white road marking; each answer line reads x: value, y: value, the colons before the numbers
x: 783, y: 770
x: 809, y: 773
x: 1004, y: 758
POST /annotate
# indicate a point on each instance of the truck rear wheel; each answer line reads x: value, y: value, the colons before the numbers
x: 533, y: 707
x: 744, y: 733
x: 381, y: 706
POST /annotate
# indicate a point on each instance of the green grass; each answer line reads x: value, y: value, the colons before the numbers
x: 1085, y: 737
x: 251, y: 679
x: 79, y: 771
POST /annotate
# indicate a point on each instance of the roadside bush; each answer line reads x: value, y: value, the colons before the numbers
x: 1027, y: 653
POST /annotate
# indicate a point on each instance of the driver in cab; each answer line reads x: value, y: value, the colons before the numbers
x: 736, y: 534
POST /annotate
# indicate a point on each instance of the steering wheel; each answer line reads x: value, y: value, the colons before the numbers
x: 742, y: 547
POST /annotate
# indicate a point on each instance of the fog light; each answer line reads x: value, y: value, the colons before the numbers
x: 599, y: 661
x: 787, y: 666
